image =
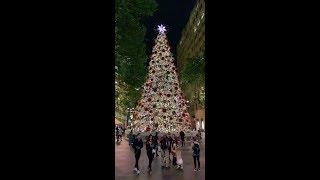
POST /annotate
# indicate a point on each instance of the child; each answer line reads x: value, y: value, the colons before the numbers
x: 174, y: 154
x: 179, y: 159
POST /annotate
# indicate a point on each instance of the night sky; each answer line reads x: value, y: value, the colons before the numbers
x: 174, y: 14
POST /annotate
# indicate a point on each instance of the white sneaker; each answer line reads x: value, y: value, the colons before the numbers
x: 195, y: 170
x: 135, y: 169
x: 138, y: 172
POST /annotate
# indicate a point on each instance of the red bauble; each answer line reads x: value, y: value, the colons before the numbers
x: 183, y: 114
x: 146, y: 109
x: 176, y: 88
x: 180, y: 120
x: 153, y: 71
x: 149, y: 99
x: 168, y: 95
x: 164, y: 110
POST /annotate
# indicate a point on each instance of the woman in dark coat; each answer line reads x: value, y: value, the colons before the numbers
x: 138, y: 144
x: 150, y: 152
x: 155, y: 143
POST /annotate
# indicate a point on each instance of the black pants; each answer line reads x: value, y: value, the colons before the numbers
x: 182, y: 142
x: 150, y: 157
x: 194, y: 161
x: 137, y: 156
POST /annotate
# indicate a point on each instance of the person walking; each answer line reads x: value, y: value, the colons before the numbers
x: 179, y: 158
x: 155, y: 143
x: 138, y: 145
x: 117, y: 133
x: 150, y: 152
x: 131, y: 138
x: 196, y: 155
x: 182, y: 138
x: 164, y: 145
x: 170, y: 140
x: 174, y: 155
x: 120, y: 134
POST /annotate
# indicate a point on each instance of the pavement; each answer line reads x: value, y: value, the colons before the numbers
x: 124, y: 164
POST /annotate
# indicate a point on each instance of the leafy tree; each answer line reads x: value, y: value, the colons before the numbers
x: 130, y: 56
x: 193, y: 81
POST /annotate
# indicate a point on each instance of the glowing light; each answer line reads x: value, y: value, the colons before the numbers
x: 162, y: 29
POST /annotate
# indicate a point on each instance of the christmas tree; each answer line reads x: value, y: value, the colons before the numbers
x: 162, y: 106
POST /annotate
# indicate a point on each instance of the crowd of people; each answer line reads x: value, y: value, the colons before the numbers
x: 168, y: 147
x: 120, y: 131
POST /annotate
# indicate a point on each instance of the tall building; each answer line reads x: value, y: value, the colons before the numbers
x: 192, y: 41
x: 192, y: 44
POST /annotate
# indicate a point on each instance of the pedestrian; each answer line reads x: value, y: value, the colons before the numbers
x: 138, y: 145
x: 117, y: 133
x: 164, y: 152
x: 179, y: 159
x: 150, y: 152
x: 155, y: 143
x: 170, y: 140
x: 131, y: 138
x: 120, y: 134
x: 196, y: 155
x: 174, y: 155
x: 182, y: 137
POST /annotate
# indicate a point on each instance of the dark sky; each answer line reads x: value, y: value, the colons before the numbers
x: 174, y: 14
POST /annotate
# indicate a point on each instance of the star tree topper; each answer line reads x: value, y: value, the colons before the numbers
x: 162, y: 29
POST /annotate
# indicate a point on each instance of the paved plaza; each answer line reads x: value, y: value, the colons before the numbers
x: 124, y: 164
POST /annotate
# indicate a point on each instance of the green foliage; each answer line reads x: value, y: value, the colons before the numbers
x: 193, y: 80
x: 193, y: 72
x: 130, y: 55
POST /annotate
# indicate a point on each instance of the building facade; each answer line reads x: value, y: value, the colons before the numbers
x: 192, y: 41
x: 192, y: 44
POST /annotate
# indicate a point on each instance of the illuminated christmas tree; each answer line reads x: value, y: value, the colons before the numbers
x: 162, y: 106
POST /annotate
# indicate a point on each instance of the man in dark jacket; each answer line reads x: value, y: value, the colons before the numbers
x: 182, y: 138
x: 138, y: 145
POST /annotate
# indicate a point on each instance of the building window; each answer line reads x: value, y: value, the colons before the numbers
x: 198, y: 23
x: 195, y: 29
x: 202, y: 15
